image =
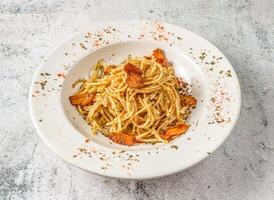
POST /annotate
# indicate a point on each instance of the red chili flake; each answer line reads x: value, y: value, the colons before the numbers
x: 96, y: 44
x: 61, y: 75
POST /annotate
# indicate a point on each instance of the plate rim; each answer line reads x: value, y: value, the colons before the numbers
x: 43, y: 137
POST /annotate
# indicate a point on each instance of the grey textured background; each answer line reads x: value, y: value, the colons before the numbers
x: 241, y: 169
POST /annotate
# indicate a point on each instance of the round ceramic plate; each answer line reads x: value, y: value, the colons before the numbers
x: 214, y: 84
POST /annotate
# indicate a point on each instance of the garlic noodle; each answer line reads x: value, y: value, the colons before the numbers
x: 138, y: 101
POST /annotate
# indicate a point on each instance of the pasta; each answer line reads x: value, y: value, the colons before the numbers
x: 138, y: 101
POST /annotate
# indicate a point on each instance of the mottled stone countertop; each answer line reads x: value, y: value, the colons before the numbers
x: 243, y: 168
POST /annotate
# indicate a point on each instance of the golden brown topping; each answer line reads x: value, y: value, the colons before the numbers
x: 89, y: 100
x: 160, y: 56
x: 188, y: 100
x: 135, y: 81
x: 175, y: 131
x: 166, y: 63
x: 132, y: 69
x: 148, y: 57
x: 123, y: 138
x: 81, y: 99
x: 107, y: 69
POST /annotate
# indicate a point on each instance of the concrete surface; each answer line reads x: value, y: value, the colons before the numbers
x: 241, y: 169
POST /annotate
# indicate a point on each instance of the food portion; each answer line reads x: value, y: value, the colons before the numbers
x: 138, y: 101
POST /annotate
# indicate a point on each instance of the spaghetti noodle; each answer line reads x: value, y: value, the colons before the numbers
x: 138, y: 101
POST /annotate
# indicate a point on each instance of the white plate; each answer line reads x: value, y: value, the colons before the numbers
x: 214, y: 84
